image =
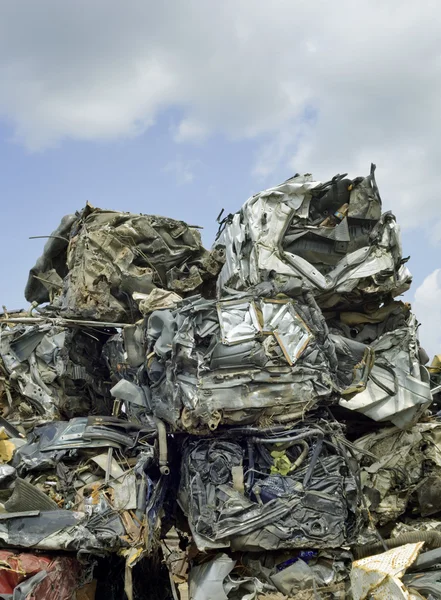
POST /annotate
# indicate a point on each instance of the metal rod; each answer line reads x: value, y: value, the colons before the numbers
x: 61, y: 321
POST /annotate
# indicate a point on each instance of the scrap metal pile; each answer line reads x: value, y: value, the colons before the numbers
x: 254, y: 421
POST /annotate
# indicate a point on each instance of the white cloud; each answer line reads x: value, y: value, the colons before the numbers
x: 427, y: 307
x: 190, y: 130
x: 322, y: 87
x: 181, y: 169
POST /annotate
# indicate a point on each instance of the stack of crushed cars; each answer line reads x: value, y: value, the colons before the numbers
x: 250, y: 422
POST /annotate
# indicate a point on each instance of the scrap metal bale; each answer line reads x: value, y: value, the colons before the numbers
x: 405, y: 473
x: 91, y: 484
x: 51, y: 371
x: 329, y: 237
x: 398, y: 385
x: 242, y: 360
x: 103, y: 257
x: 271, y: 491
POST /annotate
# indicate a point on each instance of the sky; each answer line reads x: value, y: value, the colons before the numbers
x: 185, y: 108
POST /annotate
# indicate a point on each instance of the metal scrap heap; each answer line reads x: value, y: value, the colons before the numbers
x: 254, y: 421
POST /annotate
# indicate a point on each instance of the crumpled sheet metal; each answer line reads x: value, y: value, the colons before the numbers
x: 212, y: 581
x: 424, y: 585
x: 302, y: 582
x: 63, y: 530
x: 65, y: 501
x: 157, y: 299
x: 106, y: 256
x: 238, y: 361
x: 330, y: 238
x: 207, y: 580
x: 302, y: 574
x: 53, y: 371
x: 270, y: 576
x: 314, y: 505
x: 407, y: 468
x: 380, y: 576
x: 398, y: 386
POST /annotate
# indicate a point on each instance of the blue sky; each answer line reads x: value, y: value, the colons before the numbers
x: 184, y: 110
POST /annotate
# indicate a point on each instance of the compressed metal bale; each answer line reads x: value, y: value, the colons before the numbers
x: 107, y: 256
x: 54, y: 372
x: 241, y: 360
x: 328, y: 237
x: 312, y: 506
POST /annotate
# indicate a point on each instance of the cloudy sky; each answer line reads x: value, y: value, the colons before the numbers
x: 184, y: 108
